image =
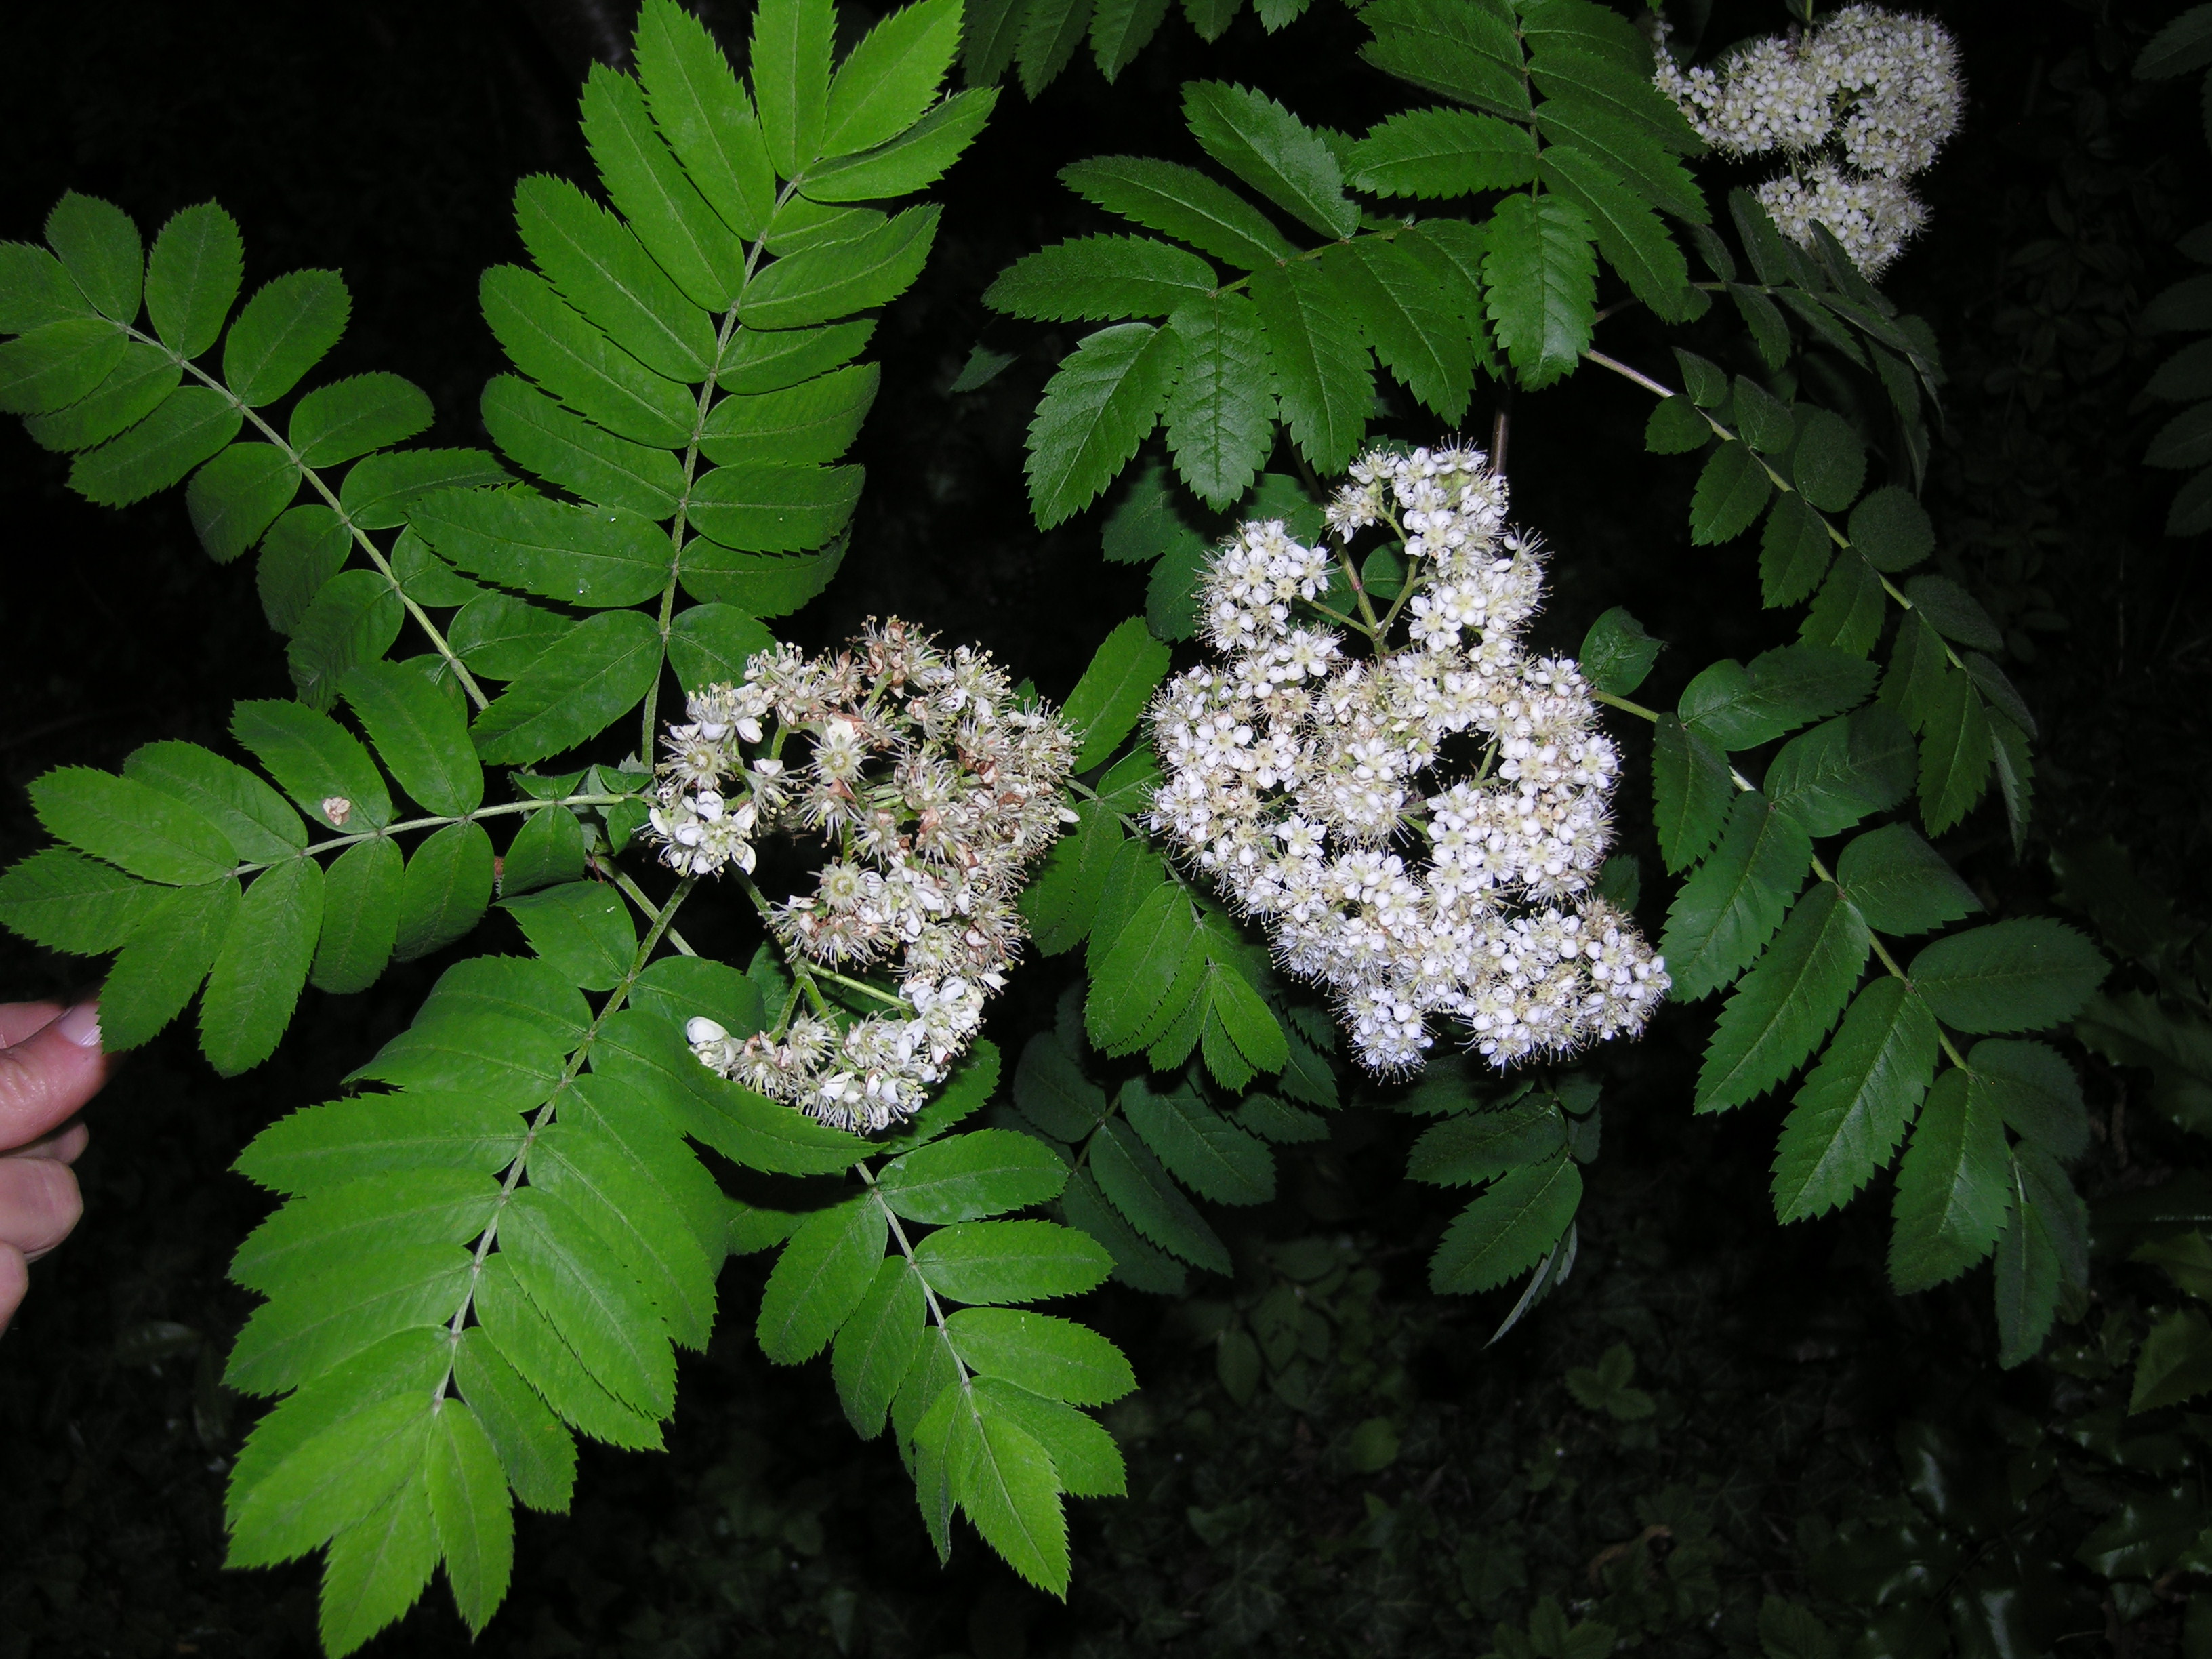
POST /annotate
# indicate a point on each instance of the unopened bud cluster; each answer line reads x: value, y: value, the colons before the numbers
x: 1858, y: 103
x: 935, y: 789
x: 1420, y: 829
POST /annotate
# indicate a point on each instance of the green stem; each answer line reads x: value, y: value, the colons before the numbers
x: 679, y: 526
x: 439, y: 822
x: 1820, y: 871
x: 545, y: 1114
x: 1659, y: 390
x: 315, y: 479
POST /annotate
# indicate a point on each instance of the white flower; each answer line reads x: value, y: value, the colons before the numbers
x: 1409, y: 896
x: 937, y: 791
x: 1857, y: 104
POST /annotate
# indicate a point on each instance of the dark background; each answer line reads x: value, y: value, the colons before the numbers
x: 384, y: 141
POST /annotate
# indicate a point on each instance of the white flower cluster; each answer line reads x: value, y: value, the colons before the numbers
x: 1315, y: 788
x: 1858, y: 103
x: 936, y: 791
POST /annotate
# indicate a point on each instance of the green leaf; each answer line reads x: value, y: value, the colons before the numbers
x: 1431, y: 153
x: 1630, y: 235
x: 188, y: 426
x: 142, y: 376
x: 64, y: 902
x: 822, y: 283
x: 381, y: 490
x: 351, y: 418
x: 1085, y: 1459
x: 705, y: 116
x: 588, y: 678
x: 913, y: 161
x: 876, y: 1347
x: 649, y: 189
x: 1136, y: 1263
x: 599, y: 1309
x: 1099, y: 279
x: 1271, y: 150
x: 1953, y: 1188
x: 888, y: 82
x: 238, y: 495
x: 34, y: 290
x: 1732, y: 491
x: 258, y: 975
x: 985, y: 1172
x: 1610, y: 149
x: 1848, y: 612
x: 512, y: 989
x: 361, y: 916
x: 1102, y: 402
x: 2176, y: 1361
x: 597, y: 265
x: 768, y: 509
x: 535, y: 1449
x: 1782, y: 1009
x: 1221, y: 409
x: 360, y: 1302
x: 2035, y: 1091
x: 1725, y: 912
x: 1008, y: 1261
x: 1829, y: 463
x: 1060, y: 903
x: 758, y: 360
x: 527, y: 1337
x: 100, y: 250
x: 471, y: 1513
x: 444, y: 890
x: 1139, y: 969
x: 1133, y: 1181
x: 1180, y: 201
x: 192, y: 277
x: 790, y: 63
x: 1794, y: 550
x: 592, y: 556
x: 421, y: 734
x: 332, y: 1480
x: 356, y: 619
x: 1235, y: 1009
x: 1323, y: 372
x: 1606, y: 85
x: 1676, y: 427
x: 302, y: 551
x: 2021, y: 974
x: 1052, y: 1092
x: 582, y: 929
x: 1763, y: 419
x: 820, y: 1279
x: 1006, y: 1483
x: 313, y: 1235
x: 1403, y: 311
x: 1119, y: 30
x: 1269, y: 1118
x: 163, y: 961
x: 1692, y: 792
x: 1852, y: 1110
x: 1892, y: 530
x: 578, y: 364
x: 468, y: 1052
x: 133, y: 824
x: 1471, y: 1147
x: 540, y: 434
x: 814, y: 420
x: 1900, y: 883
x: 1617, y: 653
x: 55, y: 365
x: 634, y: 1194
x: 1833, y: 776
x: 1509, y: 1229
x: 1541, y: 281
x: 1049, y: 1356
x: 712, y: 643
x: 285, y: 329
x: 765, y: 585
x: 1781, y: 689
x: 1107, y: 700
x: 1468, y: 52
x: 1200, y: 1146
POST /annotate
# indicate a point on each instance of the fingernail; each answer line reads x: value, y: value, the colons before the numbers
x: 80, y: 1025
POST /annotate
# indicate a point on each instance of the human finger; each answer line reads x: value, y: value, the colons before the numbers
x: 45, y: 1077
x: 65, y: 1146
x: 39, y: 1204
x: 15, y: 1279
x: 20, y: 1019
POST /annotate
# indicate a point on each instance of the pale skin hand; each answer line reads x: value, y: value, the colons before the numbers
x: 50, y: 1066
